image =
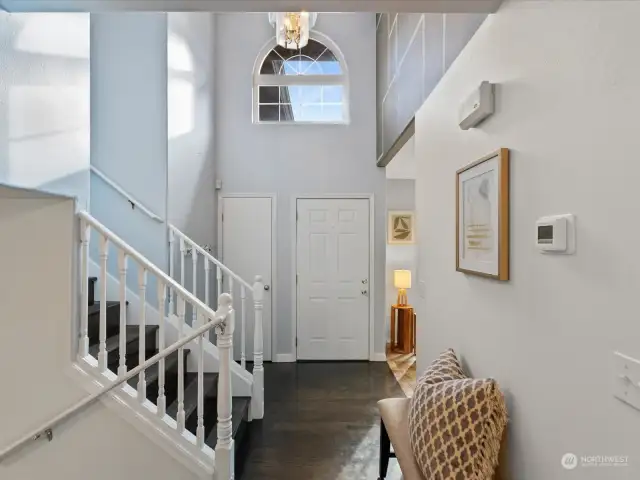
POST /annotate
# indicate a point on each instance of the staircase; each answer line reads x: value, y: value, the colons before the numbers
x: 137, y: 351
x: 135, y: 346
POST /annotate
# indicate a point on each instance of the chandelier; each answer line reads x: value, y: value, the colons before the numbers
x: 292, y: 28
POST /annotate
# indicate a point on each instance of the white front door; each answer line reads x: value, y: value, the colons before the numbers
x: 333, y: 279
x: 246, y: 250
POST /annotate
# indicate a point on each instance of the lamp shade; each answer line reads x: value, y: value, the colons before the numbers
x: 402, y: 278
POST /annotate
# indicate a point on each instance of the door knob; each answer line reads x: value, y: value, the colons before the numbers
x: 266, y: 287
x: 364, y: 292
x: 365, y: 281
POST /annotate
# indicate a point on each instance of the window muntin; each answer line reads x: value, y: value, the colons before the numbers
x: 307, y: 85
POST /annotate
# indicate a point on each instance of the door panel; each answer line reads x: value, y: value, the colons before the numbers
x: 246, y: 250
x: 333, y: 274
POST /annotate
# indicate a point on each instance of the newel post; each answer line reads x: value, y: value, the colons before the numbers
x: 257, y: 394
x: 224, y: 446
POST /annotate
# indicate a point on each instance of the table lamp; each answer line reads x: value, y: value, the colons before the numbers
x: 402, y: 281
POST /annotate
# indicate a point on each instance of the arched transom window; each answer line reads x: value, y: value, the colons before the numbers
x: 308, y: 85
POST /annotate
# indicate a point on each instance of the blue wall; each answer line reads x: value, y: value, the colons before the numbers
x: 129, y: 129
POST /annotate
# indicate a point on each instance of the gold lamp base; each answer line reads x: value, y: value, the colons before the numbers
x: 402, y: 297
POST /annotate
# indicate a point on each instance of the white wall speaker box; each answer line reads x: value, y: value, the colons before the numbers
x: 477, y: 107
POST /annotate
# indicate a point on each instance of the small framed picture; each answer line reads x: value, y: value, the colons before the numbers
x: 482, y: 217
x: 401, y: 228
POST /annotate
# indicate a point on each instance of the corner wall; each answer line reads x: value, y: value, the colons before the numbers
x: 129, y: 130
x: 400, y: 196
x: 299, y: 159
x: 192, y: 198
x: 567, y: 97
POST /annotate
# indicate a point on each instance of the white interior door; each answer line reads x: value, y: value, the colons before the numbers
x: 246, y: 250
x: 333, y: 279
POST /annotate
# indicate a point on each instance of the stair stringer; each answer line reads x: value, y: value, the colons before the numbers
x: 241, y: 380
x: 143, y: 417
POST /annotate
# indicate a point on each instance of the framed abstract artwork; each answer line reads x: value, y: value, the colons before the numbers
x: 482, y: 217
x: 401, y: 229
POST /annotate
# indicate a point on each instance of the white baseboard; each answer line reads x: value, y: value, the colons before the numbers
x: 379, y: 357
x: 284, y: 358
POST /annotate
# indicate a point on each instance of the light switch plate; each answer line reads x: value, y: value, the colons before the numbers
x: 626, y: 381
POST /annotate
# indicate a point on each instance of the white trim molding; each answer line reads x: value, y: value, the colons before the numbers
x: 135, y: 203
x: 379, y: 357
x: 294, y: 267
x: 285, y: 358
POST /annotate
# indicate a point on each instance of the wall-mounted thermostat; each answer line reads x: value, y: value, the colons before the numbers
x: 556, y: 234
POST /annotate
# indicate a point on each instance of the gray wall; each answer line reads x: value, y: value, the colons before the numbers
x: 413, y: 52
x: 192, y: 198
x: 129, y: 129
x: 299, y: 159
x: 548, y: 335
x: 44, y: 102
x: 401, y: 195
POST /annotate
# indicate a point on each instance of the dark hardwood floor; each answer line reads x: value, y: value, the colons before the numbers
x: 321, y: 422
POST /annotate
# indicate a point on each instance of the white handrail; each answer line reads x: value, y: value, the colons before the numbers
x: 170, y: 282
x: 126, y: 195
x: 46, y: 429
x: 211, y: 258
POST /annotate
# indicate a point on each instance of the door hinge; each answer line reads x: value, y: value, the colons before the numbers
x: 296, y: 342
x: 222, y: 217
x: 296, y: 215
x: 296, y: 278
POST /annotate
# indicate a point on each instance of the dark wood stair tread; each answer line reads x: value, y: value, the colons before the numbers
x: 152, y: 373
x: 133, y: 335
x: 95, y: 308
x: 210, y: 384
x: 239, y: 413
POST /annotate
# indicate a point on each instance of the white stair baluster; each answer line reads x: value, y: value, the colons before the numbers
x: 219, y: 278
x: 122, y: 267
x: 172, y: 239
x: 180, y: 416
x: 243, y: 341
x: 104, y: 256
x: 200, y: 413
x: 207, y: 271
x: 225, y: 445
x: 142, y: 348
x: 162, y: 399
x: 257, y: 393
x: 207, y: 274
x: 194, y: 263
x: 83, y: 347
x: 182, y: 254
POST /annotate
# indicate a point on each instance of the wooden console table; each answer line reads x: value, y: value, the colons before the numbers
x: 403, y: 337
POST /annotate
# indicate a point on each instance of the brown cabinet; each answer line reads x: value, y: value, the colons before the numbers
x: 403, y: 328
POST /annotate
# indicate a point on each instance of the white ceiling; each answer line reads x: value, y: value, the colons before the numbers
x: 403, y: 164
x: 413, y: 6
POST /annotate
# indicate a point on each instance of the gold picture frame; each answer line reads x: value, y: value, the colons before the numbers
x: 401, y: 228
x: 482, y: 217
